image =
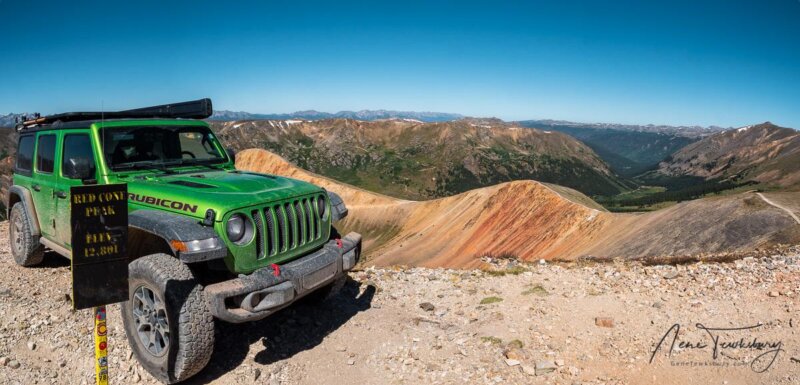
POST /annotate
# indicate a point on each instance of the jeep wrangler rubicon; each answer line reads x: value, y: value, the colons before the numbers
x: 205, y: 240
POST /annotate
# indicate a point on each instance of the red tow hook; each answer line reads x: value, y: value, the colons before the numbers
x: 276, y: 270
x: 339, y: 243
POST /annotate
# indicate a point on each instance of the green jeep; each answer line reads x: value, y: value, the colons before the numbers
x: 205, y: 240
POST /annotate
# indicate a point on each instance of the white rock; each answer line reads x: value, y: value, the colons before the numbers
x: 511, y: 362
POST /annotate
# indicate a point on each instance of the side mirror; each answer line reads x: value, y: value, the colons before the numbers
x: 231, y: 154
x: 79, y: 168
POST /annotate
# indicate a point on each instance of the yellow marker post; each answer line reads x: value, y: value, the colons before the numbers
x: 100, y: 346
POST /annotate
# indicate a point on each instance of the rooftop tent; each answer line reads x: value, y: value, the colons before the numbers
x: 196, y: 109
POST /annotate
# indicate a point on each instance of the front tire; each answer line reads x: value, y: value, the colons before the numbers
x: 168, y: 324
x: 25, y: 246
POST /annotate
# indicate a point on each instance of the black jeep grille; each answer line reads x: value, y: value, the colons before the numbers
x: 285, y: 227
x: 259, y: 234
x: 276, y: 211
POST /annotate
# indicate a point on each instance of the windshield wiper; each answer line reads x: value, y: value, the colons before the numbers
x: 143, y: 165
x: 210, y: 163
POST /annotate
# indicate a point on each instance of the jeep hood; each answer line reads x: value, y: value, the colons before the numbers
x: 222, y: 190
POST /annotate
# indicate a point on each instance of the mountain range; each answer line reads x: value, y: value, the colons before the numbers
x: 9, y: 120
x: 412, y: 155
x: 687, y: 131
x: 367, y: 115
x: 415, y: 160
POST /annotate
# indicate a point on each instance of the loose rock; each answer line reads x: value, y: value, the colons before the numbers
x: 604, y: 322
x: 545, y: 367
x: 529, y: 370
x: 672, y: 274
x: 511, y: 362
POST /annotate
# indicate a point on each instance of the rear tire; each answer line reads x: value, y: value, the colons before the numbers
x: 168, y: 324
x: 25, y: 246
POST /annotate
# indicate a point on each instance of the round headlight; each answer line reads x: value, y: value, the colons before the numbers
x: 235, y: 227
x: 321, y: 206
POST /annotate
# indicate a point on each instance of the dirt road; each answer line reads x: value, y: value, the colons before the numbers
x: 516, y: 324
x: 790, y: 212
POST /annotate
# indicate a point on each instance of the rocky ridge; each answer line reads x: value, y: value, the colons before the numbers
x: 531, y: 220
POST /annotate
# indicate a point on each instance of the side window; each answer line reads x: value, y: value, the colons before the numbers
x: 25, y: 153
x: 46, y: 153
x: 77, y: 146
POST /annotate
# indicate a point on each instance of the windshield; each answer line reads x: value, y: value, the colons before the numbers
x: 141, y: 147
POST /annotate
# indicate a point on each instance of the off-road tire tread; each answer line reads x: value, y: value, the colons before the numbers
x: 34, y: 251
x: 195, y: 323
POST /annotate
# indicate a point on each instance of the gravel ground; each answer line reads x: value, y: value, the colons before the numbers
x: 506, y: 323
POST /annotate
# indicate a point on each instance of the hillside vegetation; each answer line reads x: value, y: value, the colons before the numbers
x: 415, y: 160
x: 629, y: 153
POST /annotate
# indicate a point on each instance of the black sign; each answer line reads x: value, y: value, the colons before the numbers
x: 99, y: 220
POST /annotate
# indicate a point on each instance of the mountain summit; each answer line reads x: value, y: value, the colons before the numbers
x: 764, y: 153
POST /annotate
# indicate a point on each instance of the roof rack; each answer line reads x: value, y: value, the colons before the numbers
x: 195, y: 109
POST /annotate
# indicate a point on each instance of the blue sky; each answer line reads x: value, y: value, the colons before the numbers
x: 727, y: 63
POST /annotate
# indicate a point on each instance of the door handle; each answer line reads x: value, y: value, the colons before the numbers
x: 36, y: 187
x: 61, y: 194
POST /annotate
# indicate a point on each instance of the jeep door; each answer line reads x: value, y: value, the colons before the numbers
x: 43, y: 182
x: 75, y: 144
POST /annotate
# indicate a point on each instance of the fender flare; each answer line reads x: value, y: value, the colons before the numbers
x: 189, y: 239
x: 26, y: 199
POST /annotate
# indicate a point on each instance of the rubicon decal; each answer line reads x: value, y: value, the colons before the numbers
x: 177, y: 205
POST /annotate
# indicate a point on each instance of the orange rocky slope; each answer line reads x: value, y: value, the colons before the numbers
x: 531, y: 220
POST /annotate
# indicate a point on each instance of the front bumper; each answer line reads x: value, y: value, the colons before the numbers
x: 255, y: 296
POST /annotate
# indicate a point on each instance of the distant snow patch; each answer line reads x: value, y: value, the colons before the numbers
x: 293, y: 121
x: 412, y: 120
x: 743, y: 129
x: 237, y: 125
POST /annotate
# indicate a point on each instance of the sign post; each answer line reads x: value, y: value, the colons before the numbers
x: 100, y: 346
x: 99, y: 223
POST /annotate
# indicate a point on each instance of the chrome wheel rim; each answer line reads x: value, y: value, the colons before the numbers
x: 150, y: 318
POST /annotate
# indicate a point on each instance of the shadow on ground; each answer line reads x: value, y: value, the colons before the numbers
x: 51, y: 260
x: 292, y: 330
